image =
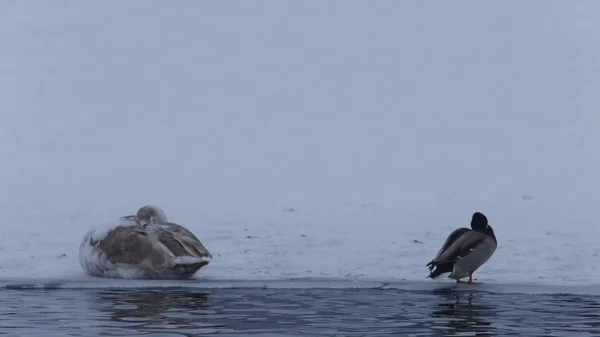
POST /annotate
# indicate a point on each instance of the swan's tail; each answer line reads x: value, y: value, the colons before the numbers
x: 188, y: 265
x: 186, y: 260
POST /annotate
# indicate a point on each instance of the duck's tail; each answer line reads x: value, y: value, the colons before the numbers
x: 439, y: 270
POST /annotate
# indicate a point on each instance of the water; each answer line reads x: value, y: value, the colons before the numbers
x: 293, y: 312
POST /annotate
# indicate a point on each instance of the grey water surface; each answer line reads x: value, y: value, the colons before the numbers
x: 293, y: 312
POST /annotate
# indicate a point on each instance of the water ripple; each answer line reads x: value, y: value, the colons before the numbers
x: 293, y: 312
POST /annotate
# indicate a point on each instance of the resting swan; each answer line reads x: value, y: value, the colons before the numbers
x: 142, y: 246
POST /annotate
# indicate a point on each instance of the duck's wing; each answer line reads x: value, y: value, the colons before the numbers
x: 179, y: 240
x: 131, y: 246
x: 462, y: 246
x: 451, y: 239
x: 476, y: 252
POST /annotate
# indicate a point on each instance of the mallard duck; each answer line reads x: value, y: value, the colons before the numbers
x: 465, y: 250
x: 145, y: 245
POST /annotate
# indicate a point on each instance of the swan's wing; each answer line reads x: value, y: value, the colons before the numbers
x: 179, y: 240
x: 131, y: 246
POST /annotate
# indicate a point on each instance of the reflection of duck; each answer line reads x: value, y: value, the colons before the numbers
x: 465, y: 250
x: 144, y: 245
x: 463, y: 315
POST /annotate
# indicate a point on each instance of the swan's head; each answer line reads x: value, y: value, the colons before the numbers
x: 150, y: 214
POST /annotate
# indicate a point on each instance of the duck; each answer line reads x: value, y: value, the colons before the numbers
x: 142, y: 246
x: 464, y: 251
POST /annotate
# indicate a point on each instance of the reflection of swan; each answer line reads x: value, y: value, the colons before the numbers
x: 462, y: 314
x: 155, y: 310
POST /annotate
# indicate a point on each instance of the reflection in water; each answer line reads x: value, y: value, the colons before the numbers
x: 153, y: 310
x: 460, y: 313
x: 294, y: 312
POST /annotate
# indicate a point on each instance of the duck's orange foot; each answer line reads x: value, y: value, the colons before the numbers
x: 471, y: 279
x: 468, y: 282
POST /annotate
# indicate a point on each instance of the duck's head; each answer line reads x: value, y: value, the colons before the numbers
x: 150, y: 214
x: 479, y: 222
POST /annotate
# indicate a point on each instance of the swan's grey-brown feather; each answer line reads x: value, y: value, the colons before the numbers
x: 178, y: 239
x: 131, y: 245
